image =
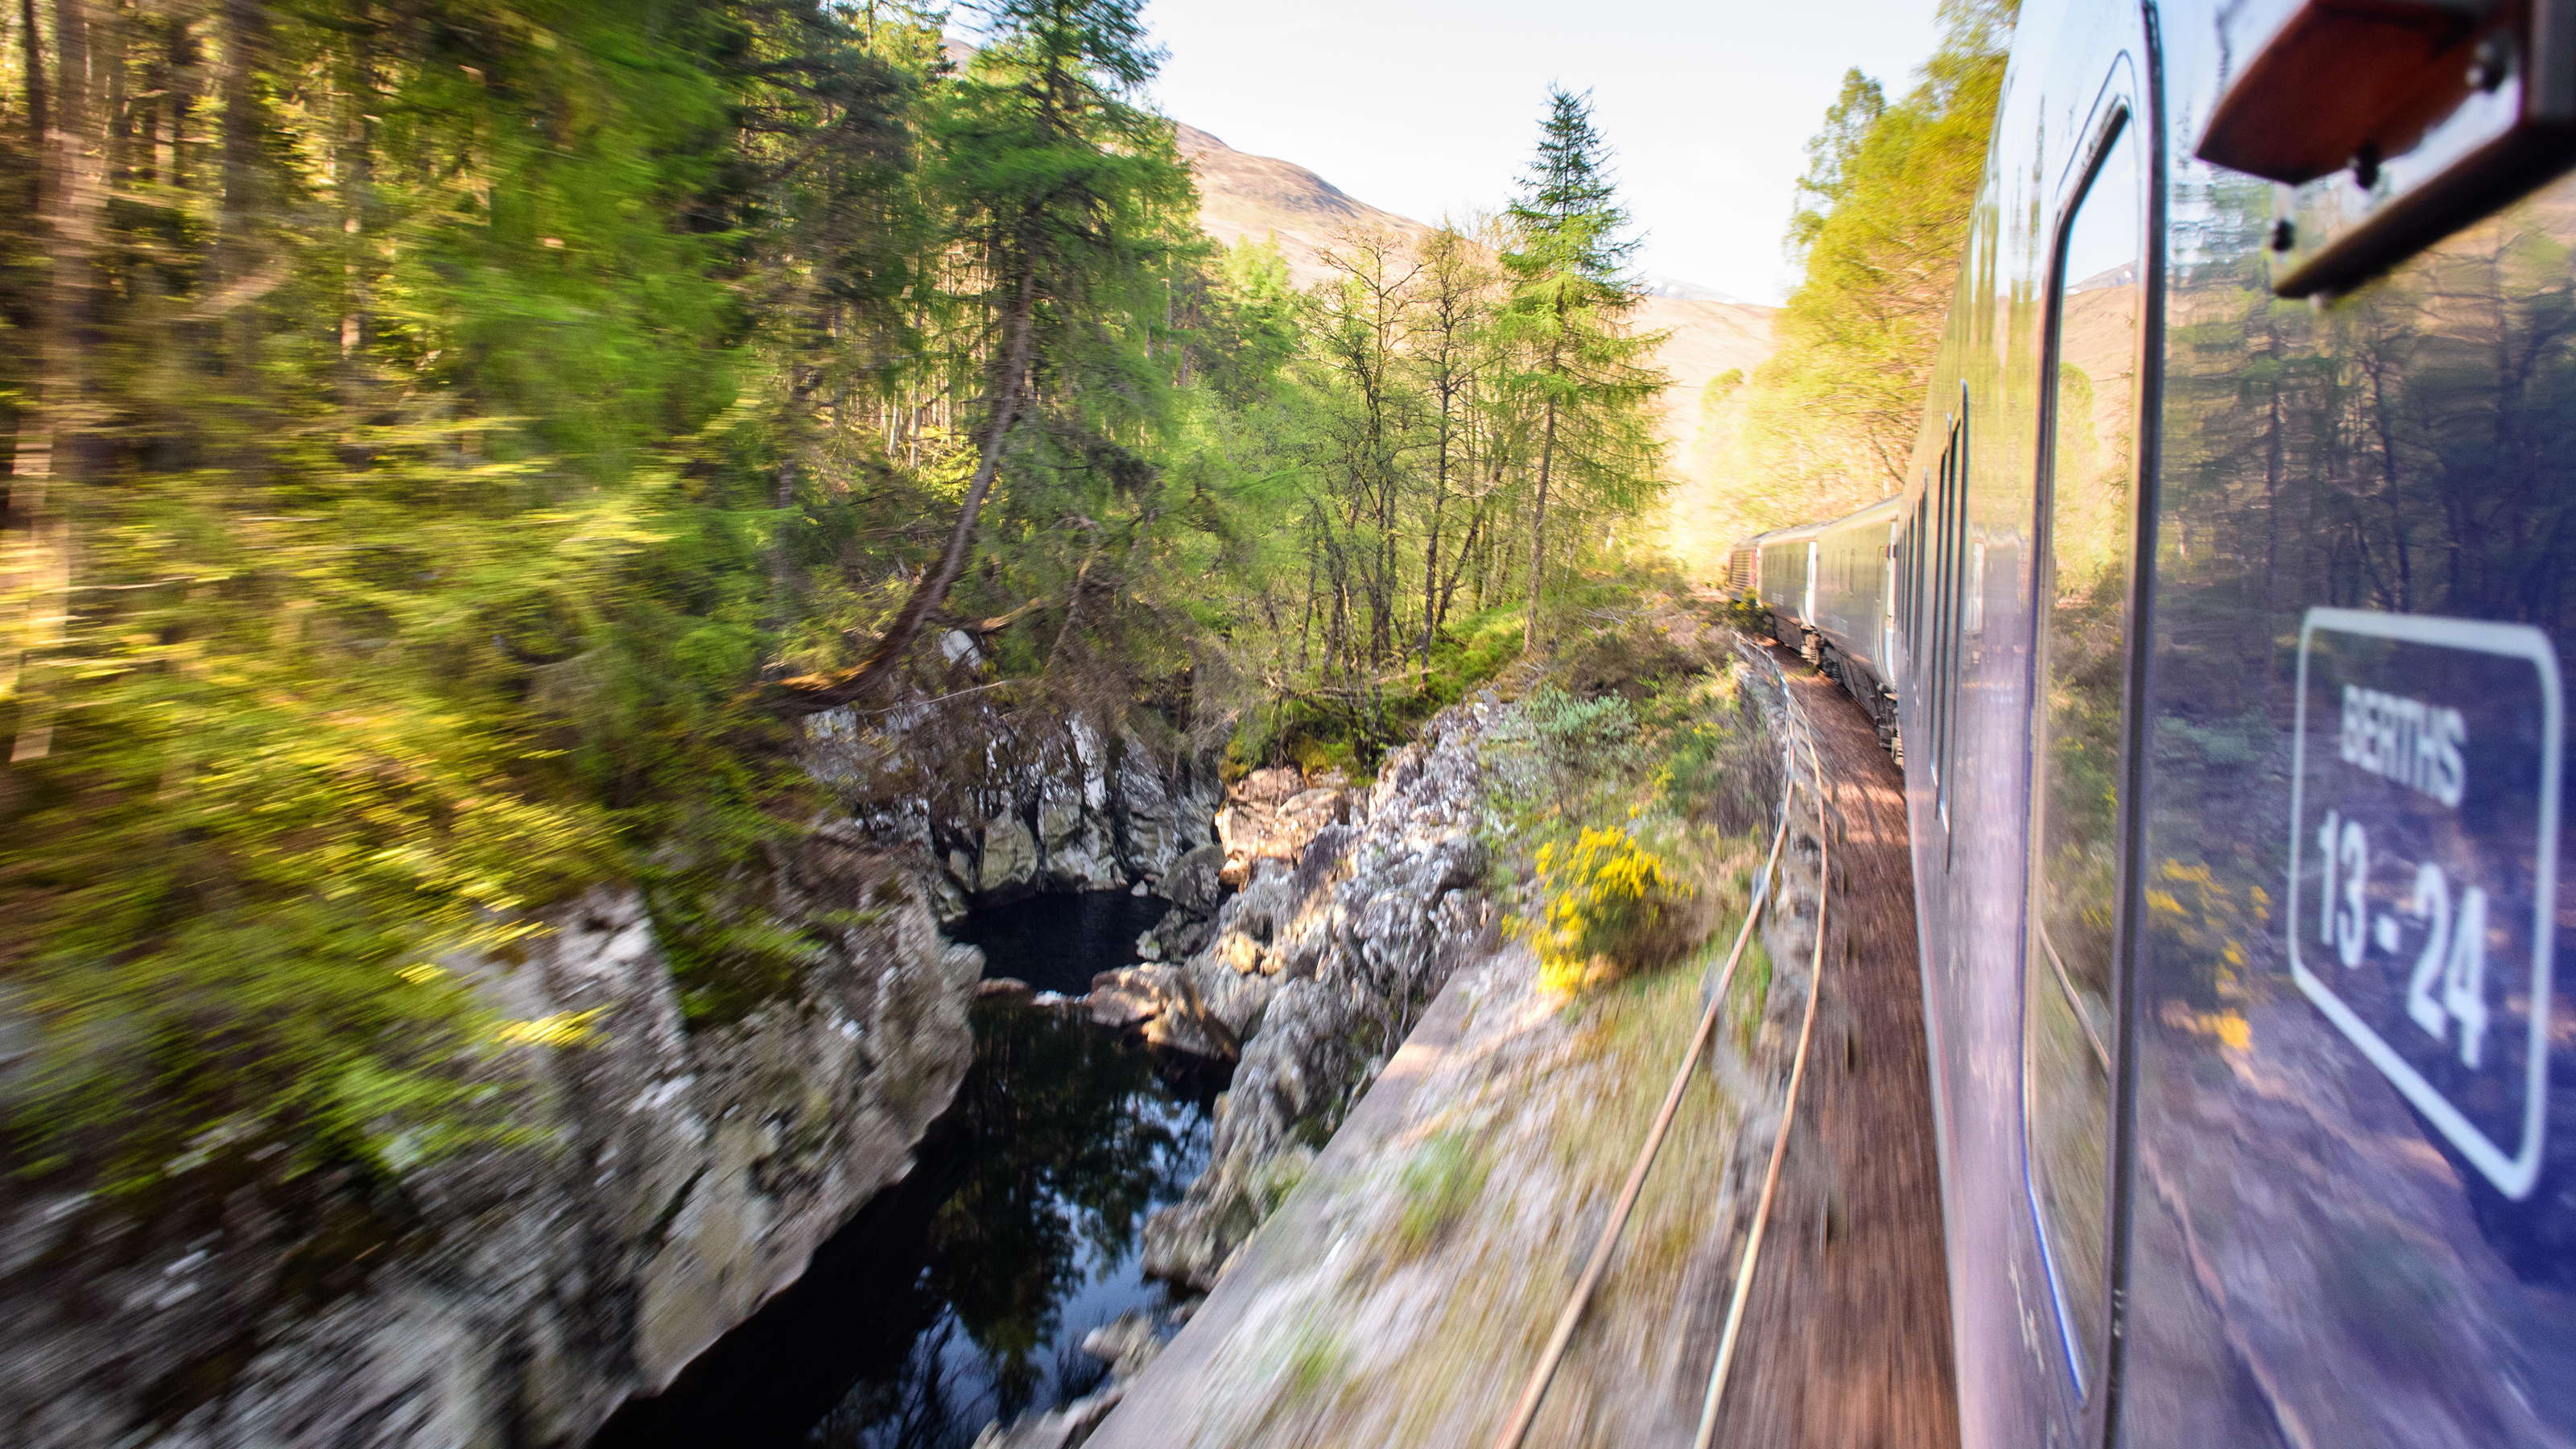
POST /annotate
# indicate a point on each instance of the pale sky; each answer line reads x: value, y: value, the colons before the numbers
x: 1426, y: 107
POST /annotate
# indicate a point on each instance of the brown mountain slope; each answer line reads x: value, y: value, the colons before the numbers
x: 1258, y: 196
x: 1242, y: 195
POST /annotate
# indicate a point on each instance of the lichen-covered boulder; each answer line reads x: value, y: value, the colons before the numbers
x: 673, y: 1174
x: 1320, y: 969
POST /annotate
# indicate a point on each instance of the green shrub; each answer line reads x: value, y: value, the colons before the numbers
x: 1631, y: 659
x: 1747, y: 615
x: 1554, y: 752
x: 1719, y: 769
x: 1353, y: 734
x: 1442, y: 1181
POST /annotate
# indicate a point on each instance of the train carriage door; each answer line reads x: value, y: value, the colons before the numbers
x: 1890, y: 577
x: 1916, y: 562
x: 2086, y: 565
x: 1947, y: 592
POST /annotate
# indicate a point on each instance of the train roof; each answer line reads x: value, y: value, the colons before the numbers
x: 1879, y: 512
x: 1883, y: 509
x: 1794, y: 533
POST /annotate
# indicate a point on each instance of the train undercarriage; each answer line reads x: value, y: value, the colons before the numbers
x: 1875, y: 698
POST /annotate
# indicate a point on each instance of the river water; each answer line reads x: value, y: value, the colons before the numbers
x: 963, y: 1295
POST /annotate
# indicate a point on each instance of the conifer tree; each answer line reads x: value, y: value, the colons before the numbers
x: 1571, y: 296
x: 1065, y: 195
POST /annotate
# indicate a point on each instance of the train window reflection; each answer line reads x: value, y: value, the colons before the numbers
x: 2080, y: 654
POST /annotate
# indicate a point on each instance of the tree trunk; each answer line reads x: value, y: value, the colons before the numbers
x: 236, y: 247
x: 1458, y: 565
x: 781, y: 500
x: 107, y: 67
x: 1431, y: 565
x: 1538, y: 530
x: 357, y: 188
x: 1431, y: 544
x: 31, y: 45
x: 31, y: 463
x: 1306, y: 624
x: 816, y: 696
x: 39, y: 531
x: 169, y: 161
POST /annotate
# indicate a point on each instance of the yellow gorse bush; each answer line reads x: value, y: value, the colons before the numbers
x: 563, y: 1029
x: 1608, y: 905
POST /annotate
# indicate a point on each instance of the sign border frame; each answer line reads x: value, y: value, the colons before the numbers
x: 2514, y: 1176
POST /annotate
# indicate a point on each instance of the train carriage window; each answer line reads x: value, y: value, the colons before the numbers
x: 2080, y: 655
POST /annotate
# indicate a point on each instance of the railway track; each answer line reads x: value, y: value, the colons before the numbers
x: 1847, y: 1322
x: 1801, y: 735
x: 1862, y: 1176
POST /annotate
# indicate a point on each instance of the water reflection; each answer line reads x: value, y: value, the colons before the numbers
x: 1076, y: 1139
x: 2300, y: 1225
x: 964, y: 1295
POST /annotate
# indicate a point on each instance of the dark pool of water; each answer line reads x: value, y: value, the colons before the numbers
x: 963, y: 1294
x: 1059, y: 942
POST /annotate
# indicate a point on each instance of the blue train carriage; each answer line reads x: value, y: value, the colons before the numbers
x: 1784, y: 582
x: 2234, y: 574
x: 1854, y: 618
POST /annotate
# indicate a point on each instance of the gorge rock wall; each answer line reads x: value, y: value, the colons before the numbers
x: 670, y: 1174
x: 675, y: 1177
x: 1001, y: 806
x: 1313, y: 973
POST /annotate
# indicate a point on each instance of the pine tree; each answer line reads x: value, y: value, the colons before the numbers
x: 1568, y: 312
x: 1065, y: 195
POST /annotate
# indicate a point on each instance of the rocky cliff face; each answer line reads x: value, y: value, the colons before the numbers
x: 1313, y: 974
x: 1002, y: 807
x: 675, y: 1174
x: 1353, y: 912
x: 676, y: 1177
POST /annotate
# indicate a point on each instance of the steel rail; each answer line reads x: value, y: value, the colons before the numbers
x: 1534, y: 1392
x: 1727, y: 1343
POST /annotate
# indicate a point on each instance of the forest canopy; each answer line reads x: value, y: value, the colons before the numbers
x: 456, y: 447
x: 1826, y: 424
